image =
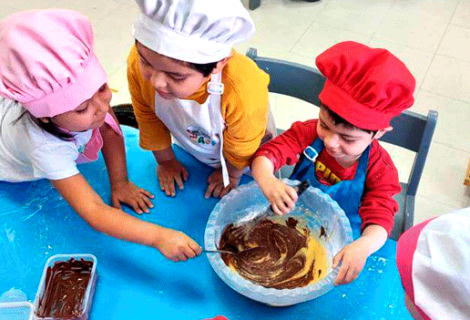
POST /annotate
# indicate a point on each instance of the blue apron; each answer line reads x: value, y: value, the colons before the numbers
x: 348, y: 193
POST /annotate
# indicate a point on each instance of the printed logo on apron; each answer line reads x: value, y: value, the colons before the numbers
x: 197, y: 135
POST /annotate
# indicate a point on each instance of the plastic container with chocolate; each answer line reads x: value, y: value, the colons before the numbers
x: 66, y: 288
x: 263, y: 270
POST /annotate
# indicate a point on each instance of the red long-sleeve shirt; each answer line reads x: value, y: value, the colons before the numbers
x: 377, y: 204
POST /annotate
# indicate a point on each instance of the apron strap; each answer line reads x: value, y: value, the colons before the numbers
x: 309, y: 157
x: 215, y: 88
x: 110, y: 120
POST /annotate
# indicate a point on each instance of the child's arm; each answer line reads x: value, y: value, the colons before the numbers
x: 153, y: 133
x: 354, y: 255
x: 169, y: 171
x: 281, y: 196
x: 122, y: 190
x: 173, y: 244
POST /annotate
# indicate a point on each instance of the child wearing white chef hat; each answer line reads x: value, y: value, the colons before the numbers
x: 433, y: 259
x: 186, y: 81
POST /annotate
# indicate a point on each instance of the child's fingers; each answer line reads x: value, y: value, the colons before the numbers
x: 135, y: 206
x: 179, y: 181
x: 166, y: 184
x: 225, y: 191
x: 142, y: 205
x: 145, y: 192
x: 289, y: 203
x: 217, y: 190
x: 276, y: 209
x: 341, y: 275
x: 170, y: 188
x: 181, y: 257
x: 185, y: 174
x: 147, y: 202
x: 337, y: 259
x: 189, y: 252
x: 281, y: 205
x: 116, y: 202
x: 195, y: 247
x: 209, y: 190
x: 292, y: 194
x: 161, y: 181
x: 351, y: 275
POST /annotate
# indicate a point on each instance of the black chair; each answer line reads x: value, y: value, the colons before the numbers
x: 412, y: 131
x: 125, y: 115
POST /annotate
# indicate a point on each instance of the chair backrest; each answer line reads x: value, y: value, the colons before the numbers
x: 411, y: 130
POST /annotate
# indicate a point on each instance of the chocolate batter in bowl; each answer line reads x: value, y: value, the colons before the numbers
x: 288, y: 258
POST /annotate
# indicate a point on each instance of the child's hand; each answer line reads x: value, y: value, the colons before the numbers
x: 353, y: 258
x: 168, y: 172
x: 216, y: 185
x: 128, y: 193
x: 176, y: 246
x: 281, y: 196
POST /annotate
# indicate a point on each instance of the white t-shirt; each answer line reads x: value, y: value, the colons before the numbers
x: 27, y: 152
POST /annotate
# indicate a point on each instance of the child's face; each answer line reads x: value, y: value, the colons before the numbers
x: 343, y: 143
x: 170, y: 78
x: 89, y: 114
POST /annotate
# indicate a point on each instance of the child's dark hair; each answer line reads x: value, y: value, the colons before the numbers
x: 206, y: 68
x: 337, y: 119
x: 49, y: 127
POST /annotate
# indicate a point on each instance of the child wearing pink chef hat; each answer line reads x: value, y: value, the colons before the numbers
x: 433, y: 259
x: 55, y: 112
x: 187, y: 83
x: 339, y: 152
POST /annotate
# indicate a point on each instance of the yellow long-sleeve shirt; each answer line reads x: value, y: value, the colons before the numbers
x: 244, y: 106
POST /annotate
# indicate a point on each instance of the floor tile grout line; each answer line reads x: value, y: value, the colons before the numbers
x: 445, y: 96
x: 380, y: 23
x: 300, y: 37
x: 438, y: 46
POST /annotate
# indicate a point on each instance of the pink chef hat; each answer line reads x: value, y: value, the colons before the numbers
x: 433, y: 259
x: 47, y: 61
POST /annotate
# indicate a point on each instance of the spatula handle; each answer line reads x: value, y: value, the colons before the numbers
x: 302, y: 187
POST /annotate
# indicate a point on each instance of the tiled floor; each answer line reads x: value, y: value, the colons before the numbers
x: 431, y: 36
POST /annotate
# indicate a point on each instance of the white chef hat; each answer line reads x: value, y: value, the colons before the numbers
x: 433, y: 259
x: 197, y: 31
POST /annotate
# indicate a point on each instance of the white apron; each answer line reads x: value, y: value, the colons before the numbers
x: 198, y: 128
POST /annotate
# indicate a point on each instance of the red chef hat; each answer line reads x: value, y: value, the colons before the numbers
x: 367, y: 87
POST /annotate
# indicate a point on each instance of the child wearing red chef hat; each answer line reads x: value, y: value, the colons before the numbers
x: 433, y: 259
x: 339, y: 152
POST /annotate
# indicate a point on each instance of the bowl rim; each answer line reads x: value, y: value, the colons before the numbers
x: 250, y: 289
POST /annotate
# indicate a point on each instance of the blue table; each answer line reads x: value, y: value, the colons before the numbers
x: 137, y: 282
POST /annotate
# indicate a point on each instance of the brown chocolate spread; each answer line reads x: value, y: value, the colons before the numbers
x: 66, y: 285
x: 273, y: 254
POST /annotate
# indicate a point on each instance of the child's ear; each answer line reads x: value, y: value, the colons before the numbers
x: 221, y: 64
x: 381, y: 132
